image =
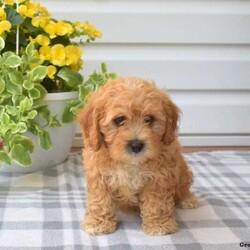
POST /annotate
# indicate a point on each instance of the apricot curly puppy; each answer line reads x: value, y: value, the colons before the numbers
x: 132, y: 157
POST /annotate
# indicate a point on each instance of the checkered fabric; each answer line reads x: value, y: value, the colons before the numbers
x: 44, y: 210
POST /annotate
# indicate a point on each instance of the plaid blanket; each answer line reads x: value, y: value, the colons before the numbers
x: 44, y: 210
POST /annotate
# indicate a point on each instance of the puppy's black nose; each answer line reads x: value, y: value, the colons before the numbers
x: 135, y: 146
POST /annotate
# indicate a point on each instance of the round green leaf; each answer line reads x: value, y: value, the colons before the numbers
x: 2, y: 86
x: 28, y: 84
x: 4, y: 157
x: 26, y: 104
x: 34, y: 93
x: 20, y: 154
x: 12, y: 61
x: 44, y: 140
x: 16, y: 77
x: 2, y: 43
x: 30, y: 50
x: 12, y: 110
x: 14, y: 88
x: 32, y: 114
x: 21, y: 127
x: 38, y: 73
x: 72, y: 78
x: 25, y: 141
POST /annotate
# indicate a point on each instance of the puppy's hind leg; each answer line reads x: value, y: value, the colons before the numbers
x: 190, y: 201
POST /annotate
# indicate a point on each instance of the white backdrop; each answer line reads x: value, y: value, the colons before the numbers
x: 199, y: 50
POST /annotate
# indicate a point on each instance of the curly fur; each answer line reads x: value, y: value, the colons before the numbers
x: 152, y: 181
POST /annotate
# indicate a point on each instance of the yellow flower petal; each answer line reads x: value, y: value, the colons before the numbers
x: 58, y: 55
x: 5, y: 26
x: 22, y: 10
x: 73, y: 54
x: 2, y: 14
x: 91, y: 30
x: 63, y: 28
x: 9, y: 2
x: 51, y: 71
x: 51, y: 29
x: 35, y: 22
x: 45, y: 53
x: 42, y: 40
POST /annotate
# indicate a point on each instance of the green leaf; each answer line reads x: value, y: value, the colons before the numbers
x: 83, y: 92
x: 5, y: 119
x: 31, y: 115
x: 21, y: 127
x: 21, y: 155
x: 2, y: 43
x: 16, y: 99
x: 28, y: 84
x: 26, y: 104
x: 104, y: 68
x: 112, y: 76
x: 14, y: 88
x: 38, y: 73
x: 4, y: 157
x: 54, y: 122
x: 30, y: 50
x: 12, y: 110
x: 44, y: 112
x: 44, y: 140
x: 42, y: 90
x: 68, y: 114
x: 12, y: 61
x: 72, y: 78
x: 2, y: 86
x: 16, y: 77
x: 13, y: 16
x: 34, y: 93
x: 23, y: 140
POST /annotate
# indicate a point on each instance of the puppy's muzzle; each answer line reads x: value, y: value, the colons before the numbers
x: 135, y: 146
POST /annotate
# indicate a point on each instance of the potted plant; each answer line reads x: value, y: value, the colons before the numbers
x: 39, y: 62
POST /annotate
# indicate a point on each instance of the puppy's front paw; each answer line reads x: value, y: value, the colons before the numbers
x: 160, y: 228
x: 100, y: 226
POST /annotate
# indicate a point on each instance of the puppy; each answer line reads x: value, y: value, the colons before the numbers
x: 132, y: 157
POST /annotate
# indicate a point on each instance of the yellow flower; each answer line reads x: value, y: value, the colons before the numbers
x: 42, y: 40
x: 40, y: 21
x: 33, y: 10
x: 91, y: 31
x: 35, y: 22
x: 2, y: 14
x: 9, y: 2
x: 63, y: 28
x: 22, y: 10
x: 73, y: 54
x: 50, y: 28
x: 77, y: 66
x: 5, y: 26
x: 45, y: 53
x: 51, y: 71
x: 58, y: 55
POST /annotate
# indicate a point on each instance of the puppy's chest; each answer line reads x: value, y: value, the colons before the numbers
x: 127, y: 182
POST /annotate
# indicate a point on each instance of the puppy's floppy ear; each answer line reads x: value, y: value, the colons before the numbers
x: 172, y: 113
x: 89, y: 122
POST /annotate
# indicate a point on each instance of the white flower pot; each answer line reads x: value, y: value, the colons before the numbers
x: 61, y: 137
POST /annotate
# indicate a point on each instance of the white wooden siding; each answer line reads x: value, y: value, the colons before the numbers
x: 199, y: 50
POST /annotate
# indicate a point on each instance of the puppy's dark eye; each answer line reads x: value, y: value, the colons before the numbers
x: 119, y: 121
x: 149, y: 119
